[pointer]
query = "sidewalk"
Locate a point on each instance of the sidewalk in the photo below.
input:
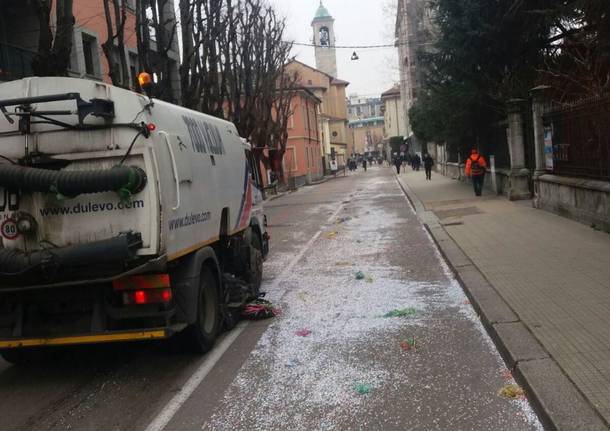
(542, 286)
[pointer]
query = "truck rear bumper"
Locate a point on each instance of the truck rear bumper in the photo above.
(107, 337)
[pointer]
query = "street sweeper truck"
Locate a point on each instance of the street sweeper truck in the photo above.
(122, 218)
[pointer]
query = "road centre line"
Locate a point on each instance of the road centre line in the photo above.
(171, 408)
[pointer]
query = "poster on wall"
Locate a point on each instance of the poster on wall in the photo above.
(548, 147)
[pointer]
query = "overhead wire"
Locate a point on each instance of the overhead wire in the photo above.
(394, 45)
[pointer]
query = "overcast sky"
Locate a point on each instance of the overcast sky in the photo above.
(357, 22)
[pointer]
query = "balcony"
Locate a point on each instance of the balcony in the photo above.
(15, 62)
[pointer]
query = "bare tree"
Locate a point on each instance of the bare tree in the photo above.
(156, 34)
(114, 46)
(53, 56)
(234, 66)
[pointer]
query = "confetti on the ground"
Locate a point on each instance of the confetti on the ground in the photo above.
(408, 344)
(360, 275)
(401, 312)
(292, 364)
(303, 332)
(466, 302)
(507, 375)
(512, 391)
(260, 309)
(302, 296)
(342, 264)
(362, 388)
(368, 279)
(332, 235)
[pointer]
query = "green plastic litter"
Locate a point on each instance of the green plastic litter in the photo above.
(362, 388)
(360, 275)
(401, 312)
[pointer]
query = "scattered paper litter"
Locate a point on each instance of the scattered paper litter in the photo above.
(408, 344)
(332, 235)
(512, 391)
(401, 312)
(507, 375)
(362, 388)
(303, 332)
(260, 309)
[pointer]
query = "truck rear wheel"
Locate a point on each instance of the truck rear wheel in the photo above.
(202, 334)
(17, 356)
(255, 268)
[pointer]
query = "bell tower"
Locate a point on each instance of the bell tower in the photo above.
(324, 41)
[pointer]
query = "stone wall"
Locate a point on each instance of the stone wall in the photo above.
(456, 171)
(583, 200)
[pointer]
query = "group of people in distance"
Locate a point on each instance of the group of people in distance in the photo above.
(475, 168)
(415, 161)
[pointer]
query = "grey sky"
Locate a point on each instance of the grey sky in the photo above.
(357, 22)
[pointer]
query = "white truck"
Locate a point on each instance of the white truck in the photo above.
(121, 218)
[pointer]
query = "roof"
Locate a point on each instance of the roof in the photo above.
(337, 81)
(395, 90)
(322, 13)
(333, 80)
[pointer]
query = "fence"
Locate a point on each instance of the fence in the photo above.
(581, 138)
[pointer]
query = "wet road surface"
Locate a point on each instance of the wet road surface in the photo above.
(337, 358)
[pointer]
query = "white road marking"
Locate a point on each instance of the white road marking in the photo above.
(171, 408)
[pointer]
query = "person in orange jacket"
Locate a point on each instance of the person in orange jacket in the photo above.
(475, 169)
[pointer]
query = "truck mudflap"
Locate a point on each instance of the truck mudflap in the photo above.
(107, 337)
(54, 263)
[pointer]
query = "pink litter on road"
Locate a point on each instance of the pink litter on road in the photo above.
(303, 332)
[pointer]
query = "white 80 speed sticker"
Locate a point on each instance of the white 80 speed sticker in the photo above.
(8, 229)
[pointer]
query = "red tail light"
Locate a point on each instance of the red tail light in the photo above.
(149, 296)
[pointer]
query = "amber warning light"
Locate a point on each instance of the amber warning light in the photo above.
(145, 80)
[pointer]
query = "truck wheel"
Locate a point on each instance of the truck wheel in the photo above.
(254, 273)
(16, 356)
(202, 333)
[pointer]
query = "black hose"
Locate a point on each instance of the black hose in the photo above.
(120, 249)
(119, 179)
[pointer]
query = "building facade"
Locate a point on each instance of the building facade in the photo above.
(19, 32)
(359, 108)
(393, 113)
(303, 158)
(415, 31)
(333, 109)
(366, 136)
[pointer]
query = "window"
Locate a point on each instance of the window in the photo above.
(89, 47)
(324, 36)
(133, 70)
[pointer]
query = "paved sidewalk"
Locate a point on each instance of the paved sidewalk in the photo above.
(553, 273)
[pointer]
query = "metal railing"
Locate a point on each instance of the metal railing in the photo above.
(15, 62)
(581, 138)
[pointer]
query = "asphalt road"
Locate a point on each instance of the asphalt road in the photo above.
(332, 361)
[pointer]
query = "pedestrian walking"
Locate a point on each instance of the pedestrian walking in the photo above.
(428, 163)
(364, 164)
(475, 169)
(398, 164)
(416, 162)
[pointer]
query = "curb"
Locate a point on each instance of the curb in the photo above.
(555, 398)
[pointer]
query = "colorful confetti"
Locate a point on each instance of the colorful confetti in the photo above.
(512, 391)
(401, 312)
(362, 388)
(303, 332)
